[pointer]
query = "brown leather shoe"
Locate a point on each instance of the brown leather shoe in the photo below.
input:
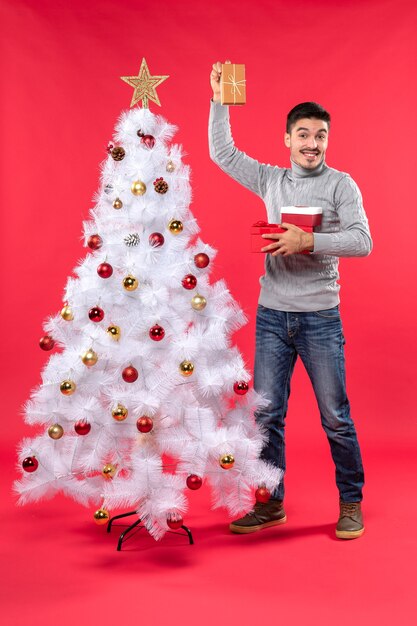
(350, 524)
(263, 515)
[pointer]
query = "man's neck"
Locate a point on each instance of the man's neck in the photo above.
(298, 171)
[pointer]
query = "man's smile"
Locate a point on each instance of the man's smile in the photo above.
(310, 153)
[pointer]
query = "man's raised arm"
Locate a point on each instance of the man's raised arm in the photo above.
(248, 172)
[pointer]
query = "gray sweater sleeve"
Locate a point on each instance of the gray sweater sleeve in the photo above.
(245, 170)
(353, 238)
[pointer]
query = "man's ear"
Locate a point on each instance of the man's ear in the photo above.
(287, 139)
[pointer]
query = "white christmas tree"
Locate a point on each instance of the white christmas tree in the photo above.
(147, 396)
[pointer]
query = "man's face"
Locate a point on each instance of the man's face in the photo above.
(307, 142)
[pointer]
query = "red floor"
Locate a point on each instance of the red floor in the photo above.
(63, 569)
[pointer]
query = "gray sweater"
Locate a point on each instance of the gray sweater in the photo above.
(298, 282)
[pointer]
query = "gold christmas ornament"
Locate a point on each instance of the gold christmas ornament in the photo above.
(144, 86)
(117, 204)
(120, 413)
(198, 302)
(130, 283)
(227, 461)
(109, 471)
(170, 166)
(176, 227)
(114, 332)
(138, 188)
(55, 431)
(89, 358)
(101, 516)
(186, 368)
(67, 387)
(66, 313)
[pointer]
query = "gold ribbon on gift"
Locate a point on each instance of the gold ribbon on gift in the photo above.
(235, 83)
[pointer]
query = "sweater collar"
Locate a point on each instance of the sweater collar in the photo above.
(298, 171)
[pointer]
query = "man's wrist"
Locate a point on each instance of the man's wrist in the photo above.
(307, 241)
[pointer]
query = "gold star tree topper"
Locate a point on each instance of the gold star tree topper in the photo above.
(144, 86)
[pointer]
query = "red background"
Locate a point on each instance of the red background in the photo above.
(61, 96)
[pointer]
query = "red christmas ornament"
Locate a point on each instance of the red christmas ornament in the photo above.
(148, 140)
(201, 260)
(96, 314)
(194, 482)
(240, 388)
(175, 522)
(157, 333)
(30, 464)
(46, 342)
(156, 240)
(94, 242)
(262, 494)
(82, 427)
(110, 147)
(130, 374)
(104, 270)
(189, 281)
(144, 424)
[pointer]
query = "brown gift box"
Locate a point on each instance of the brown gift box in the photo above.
(233, 84)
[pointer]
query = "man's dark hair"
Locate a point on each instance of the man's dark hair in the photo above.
(308, 110)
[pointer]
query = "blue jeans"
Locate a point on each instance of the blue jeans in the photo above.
(317, 337)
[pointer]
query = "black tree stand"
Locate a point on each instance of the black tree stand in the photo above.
(123, 536)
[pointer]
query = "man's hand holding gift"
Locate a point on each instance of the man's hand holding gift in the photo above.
(293, 241)
(228, 83)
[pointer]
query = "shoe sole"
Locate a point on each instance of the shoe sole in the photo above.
(346, 534)
(244, 530)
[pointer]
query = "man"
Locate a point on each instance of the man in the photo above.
(298, 311)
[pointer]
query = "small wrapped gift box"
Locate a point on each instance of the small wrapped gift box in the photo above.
(263, 228)
(233, 84)
(302, 215)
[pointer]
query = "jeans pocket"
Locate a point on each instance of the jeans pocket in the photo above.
(330, 314)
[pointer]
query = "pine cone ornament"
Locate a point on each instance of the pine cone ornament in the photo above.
(118, 153)
(132, 239)
(161, 186)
